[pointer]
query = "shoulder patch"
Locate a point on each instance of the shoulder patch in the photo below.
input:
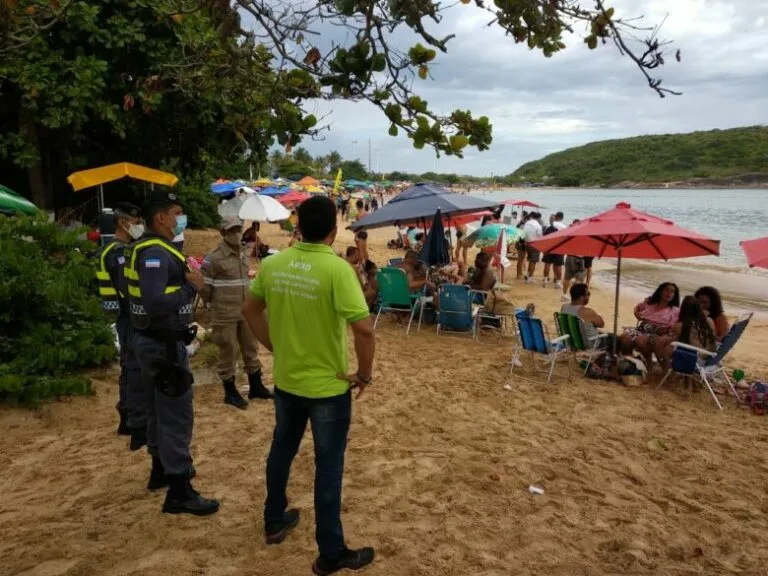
(152, 263)
(121, 260)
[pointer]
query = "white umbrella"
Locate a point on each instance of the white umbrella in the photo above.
(260, 208)
(231, 208)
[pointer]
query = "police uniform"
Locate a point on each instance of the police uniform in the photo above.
(225, 271)
(114, 301)
(161, 307)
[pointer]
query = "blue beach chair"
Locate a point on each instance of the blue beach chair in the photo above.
(707, 366)
(532, 337)
(454, 311)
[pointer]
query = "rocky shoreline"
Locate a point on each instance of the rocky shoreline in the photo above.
(754, 180)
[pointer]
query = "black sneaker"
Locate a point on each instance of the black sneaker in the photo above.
(349, 560)
(183, 499)
(276, 533)
(138, 438)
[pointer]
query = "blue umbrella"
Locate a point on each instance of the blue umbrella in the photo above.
(420, 202)
(436, 251)
(225, 188)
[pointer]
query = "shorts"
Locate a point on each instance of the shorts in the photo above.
(555, 259)
(574, 270)
(588, 262)
(532, 254)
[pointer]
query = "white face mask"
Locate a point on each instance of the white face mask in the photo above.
(135, 231)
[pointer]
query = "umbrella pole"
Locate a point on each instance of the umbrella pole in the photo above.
(616, 305)
(101, 199)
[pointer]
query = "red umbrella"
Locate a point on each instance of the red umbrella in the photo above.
(627, 233)
(292, 197)
(756, 251)
(523, 203)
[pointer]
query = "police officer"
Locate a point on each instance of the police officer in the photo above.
(226, 286)
(114, 296)
(162, 290)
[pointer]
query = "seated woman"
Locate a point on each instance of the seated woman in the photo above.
(371, 286)
(482, 277)
(712, 305)
(693, 327)
(417, 276)
(657, 317)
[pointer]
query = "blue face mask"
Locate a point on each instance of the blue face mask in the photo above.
(181, 224)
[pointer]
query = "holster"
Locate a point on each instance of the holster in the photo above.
(171, 377)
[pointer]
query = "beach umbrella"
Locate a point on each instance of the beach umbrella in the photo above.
(292, 197)
(419, 203)
(314, 189)
(225, 188)
(10, 202)
(308, 181)
(756, 251)
(488, 236)
(275, 191)
(262, 182)
(231, 208)
(436, 251)
(260, 208)
(627, 233)
(522, 203)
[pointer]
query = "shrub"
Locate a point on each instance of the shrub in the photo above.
(51, 322)
(199, 203)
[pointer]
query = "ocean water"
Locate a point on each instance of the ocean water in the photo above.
(726, 215)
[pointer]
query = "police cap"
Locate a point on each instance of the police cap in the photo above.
(163, 199)
(127, 210)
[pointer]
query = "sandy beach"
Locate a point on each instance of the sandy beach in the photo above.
(440, 458)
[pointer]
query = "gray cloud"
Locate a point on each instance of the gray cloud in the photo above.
(539, 105)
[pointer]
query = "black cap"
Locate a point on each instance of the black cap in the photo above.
(163, 199)
(128, 210)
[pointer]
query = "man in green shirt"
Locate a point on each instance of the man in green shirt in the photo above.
(312, 295)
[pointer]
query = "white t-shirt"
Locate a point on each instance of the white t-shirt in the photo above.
(559, 225)
(532, 231)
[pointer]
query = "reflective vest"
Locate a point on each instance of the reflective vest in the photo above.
(139, 316)
(110, 295)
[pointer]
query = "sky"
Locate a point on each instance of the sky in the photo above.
(538, 106)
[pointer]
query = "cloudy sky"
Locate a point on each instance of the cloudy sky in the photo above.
(539, 105)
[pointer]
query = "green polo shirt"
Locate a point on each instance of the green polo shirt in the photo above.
(311, 296)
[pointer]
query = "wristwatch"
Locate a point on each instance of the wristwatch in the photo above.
(365, 381)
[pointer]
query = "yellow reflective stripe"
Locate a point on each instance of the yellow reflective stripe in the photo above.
(130, 270)
(103, 276)
(107, 291)
(131, 274)
(135, 291)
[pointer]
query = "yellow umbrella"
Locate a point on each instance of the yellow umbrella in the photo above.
(314, 189)
(262, 182)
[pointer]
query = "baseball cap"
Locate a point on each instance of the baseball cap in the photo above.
(163, 198)
(230, 222)
(127, 210)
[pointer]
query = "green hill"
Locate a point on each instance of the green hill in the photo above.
(661, 158)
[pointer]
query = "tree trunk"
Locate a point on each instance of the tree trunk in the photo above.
(39, 190)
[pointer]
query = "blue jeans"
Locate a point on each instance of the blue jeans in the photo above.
(329, 418)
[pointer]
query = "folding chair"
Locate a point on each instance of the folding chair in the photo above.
(691, 361)
(533, 338)
(454, 310)
(479, 298)
(394, 296)
(394, 262)
(573, 326)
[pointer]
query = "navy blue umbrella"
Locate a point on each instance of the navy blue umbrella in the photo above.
(436, 251)
(421, 202)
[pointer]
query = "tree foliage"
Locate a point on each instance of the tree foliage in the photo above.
(661, 158)
(51, 322)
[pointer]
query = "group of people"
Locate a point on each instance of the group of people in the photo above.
(310, 295)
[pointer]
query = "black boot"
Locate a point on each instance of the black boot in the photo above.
(183, 499)
(349, 560)
(138, 438)
(256, 388)
(276, 533)
(157, 477)
(232, 396)
(122, 428)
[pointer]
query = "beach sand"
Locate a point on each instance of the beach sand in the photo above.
(440, 458)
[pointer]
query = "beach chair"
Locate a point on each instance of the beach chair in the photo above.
(707, 366)
(485, 318)
(394, 262)
(394, 296)
(532, 337)
(454, 311)
(573, 326)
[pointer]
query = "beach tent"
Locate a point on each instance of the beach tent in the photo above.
(275, 191)
(226, 188)
(262, 182)
(103, 175)
(10, 202)
(419, 203)
(756, 252)
(308, 181)
(627, 233)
